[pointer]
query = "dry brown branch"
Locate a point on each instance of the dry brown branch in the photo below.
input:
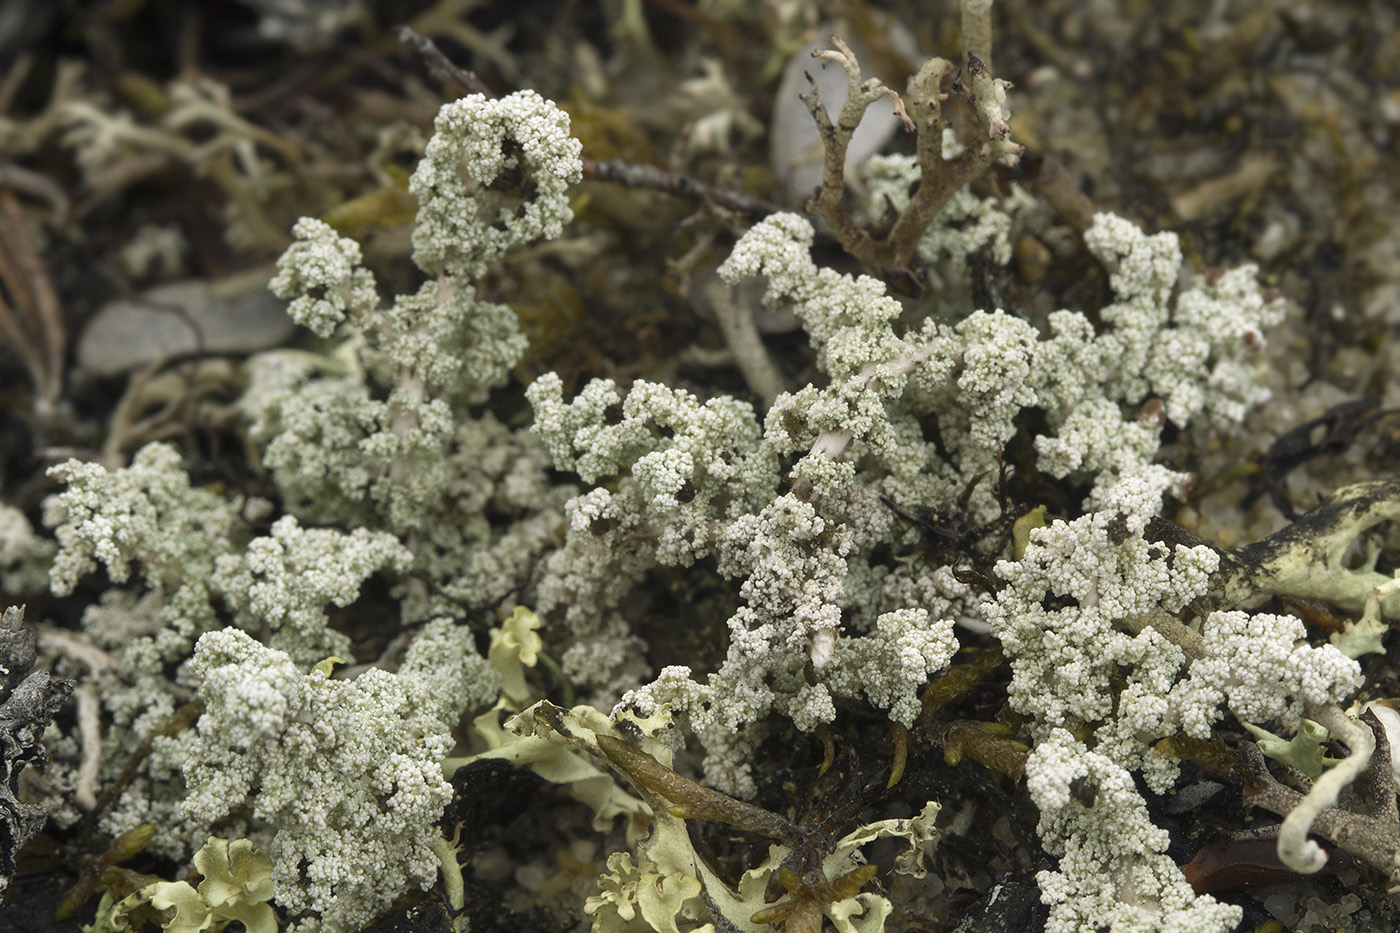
(1050, 180)
(635, 175)
(441, 67)
(30, 321)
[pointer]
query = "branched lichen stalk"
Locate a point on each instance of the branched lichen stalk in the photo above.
(1295, 849)
(986, 141)
(977, 28)
(836, 138)
(940, 177)
(1371, 832)
(1308, 558)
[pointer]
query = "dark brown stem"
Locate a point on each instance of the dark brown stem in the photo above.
(457, 79)
(1052, 182)
(636, 175)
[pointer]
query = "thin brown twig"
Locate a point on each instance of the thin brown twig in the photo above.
(29, 319)
(617, 171)
(441, 67)
(636, 175)
(1050, 180)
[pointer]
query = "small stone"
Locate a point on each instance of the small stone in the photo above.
(181, 318)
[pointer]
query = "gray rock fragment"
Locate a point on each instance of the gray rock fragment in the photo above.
(181, 319)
